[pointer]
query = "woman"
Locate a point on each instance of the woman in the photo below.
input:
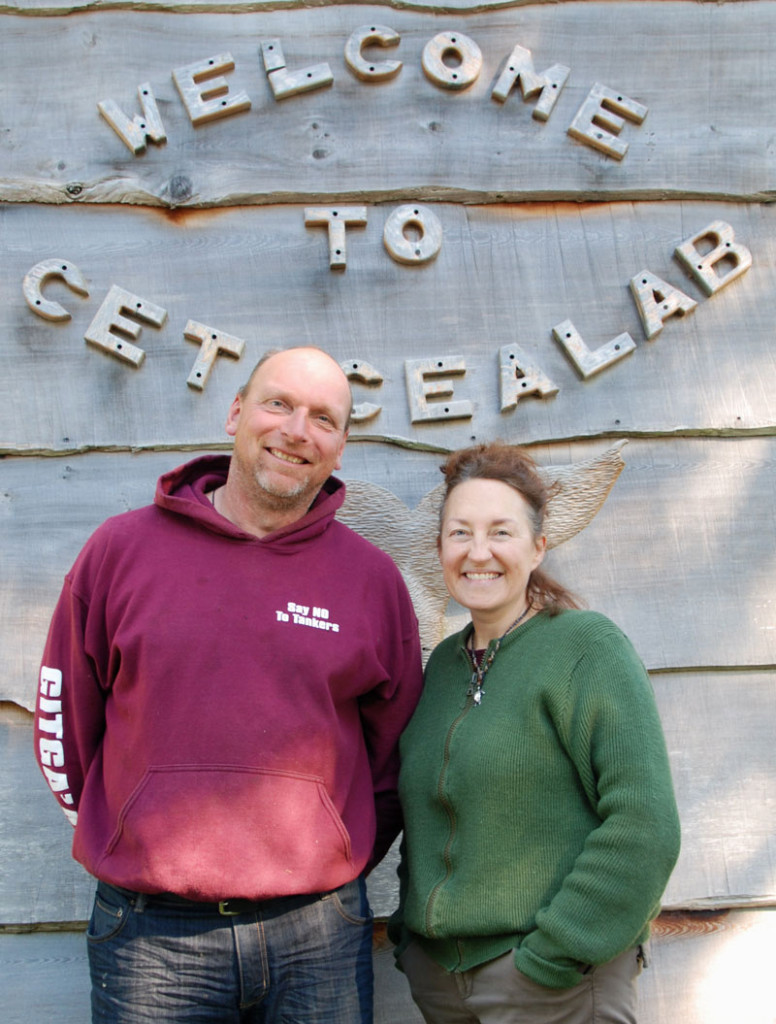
(540, 821)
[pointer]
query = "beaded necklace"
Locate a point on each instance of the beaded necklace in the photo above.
(480, 669)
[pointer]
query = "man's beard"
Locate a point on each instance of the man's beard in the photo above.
(279, 498)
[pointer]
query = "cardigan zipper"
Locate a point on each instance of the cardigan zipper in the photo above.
(450, 815)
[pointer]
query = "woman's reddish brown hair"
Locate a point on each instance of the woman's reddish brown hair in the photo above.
(513, 466)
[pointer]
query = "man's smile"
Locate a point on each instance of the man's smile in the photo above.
(296, 460)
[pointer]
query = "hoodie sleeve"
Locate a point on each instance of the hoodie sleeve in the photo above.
(70, 705)
(384, 715)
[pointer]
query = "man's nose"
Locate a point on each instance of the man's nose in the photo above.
(295, 425)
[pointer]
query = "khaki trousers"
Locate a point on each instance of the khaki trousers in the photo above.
(497, 993)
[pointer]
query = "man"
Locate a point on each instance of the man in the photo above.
(223, 686)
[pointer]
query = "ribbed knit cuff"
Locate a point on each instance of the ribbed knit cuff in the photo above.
(544, 962)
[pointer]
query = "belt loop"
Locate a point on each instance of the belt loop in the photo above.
(140, 902)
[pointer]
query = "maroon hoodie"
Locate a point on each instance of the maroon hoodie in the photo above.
(218, 714)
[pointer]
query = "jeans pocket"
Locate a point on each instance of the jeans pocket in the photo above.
(351, 902)
(109, 915)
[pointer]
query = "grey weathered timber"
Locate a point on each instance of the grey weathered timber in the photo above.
(532, 292)
(704, 969)
(504, 278)
(719, 733)
(682, 555)
(409, 535)
(703, 72)
(727, 857)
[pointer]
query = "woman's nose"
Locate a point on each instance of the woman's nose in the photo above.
(479, 549)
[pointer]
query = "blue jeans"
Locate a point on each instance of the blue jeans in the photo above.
(291, 960)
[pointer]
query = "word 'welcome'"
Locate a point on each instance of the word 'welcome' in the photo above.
(450, 60)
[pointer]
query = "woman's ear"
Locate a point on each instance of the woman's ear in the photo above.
(541, 551)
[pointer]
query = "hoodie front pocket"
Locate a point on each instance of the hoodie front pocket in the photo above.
(211, 832)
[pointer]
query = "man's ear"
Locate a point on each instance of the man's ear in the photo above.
(338, 463)
(233, 416)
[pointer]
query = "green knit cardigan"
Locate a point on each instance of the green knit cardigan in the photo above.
(544, 819)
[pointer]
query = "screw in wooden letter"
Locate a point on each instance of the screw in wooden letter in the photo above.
(419, 389)
(134, 133)
(601, 111)
(285, 83)
(657, 300)
(211, 345)
(400, 247)
(463, 49)
(35, 279)
(590, 362)
(364, 373)
(372, 70)
(519, 378)
(336, 219)
(547, 84)
(202, 89)
(109, 319)
(724, 250)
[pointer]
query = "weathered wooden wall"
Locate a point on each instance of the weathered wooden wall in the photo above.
(537, 229)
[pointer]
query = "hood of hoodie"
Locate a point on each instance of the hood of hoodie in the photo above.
(184, 491)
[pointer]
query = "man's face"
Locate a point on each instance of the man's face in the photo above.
(289, 427)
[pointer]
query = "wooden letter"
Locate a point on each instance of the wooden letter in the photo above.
(703, 267)
(587, 362)
(134, 133)
(548, 84)
(205, 101)
(35, 279)
(464, 52)
(519, 378)
(372, 70)
(336, 219)
(286, 83)
(109, 319)
(419, 390)
(365, 373)
(657, 300)
(599, 112)
(212, 344)
(399, 246)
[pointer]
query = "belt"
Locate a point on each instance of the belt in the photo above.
(225, 908)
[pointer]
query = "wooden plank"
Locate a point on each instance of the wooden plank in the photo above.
(684, 543)
(41, 886)
(705, 133)
(705, 969)
(719, 732)
(39, 880)
(504, 278)
(726, 790)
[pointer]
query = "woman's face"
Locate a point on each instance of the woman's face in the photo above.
(488, 550)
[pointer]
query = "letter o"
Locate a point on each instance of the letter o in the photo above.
(400, 247)
(464, 48)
